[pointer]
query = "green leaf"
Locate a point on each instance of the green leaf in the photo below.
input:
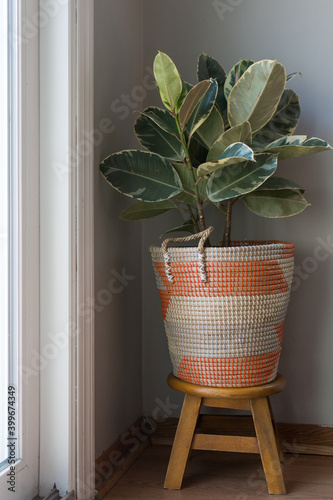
(163, 118)
(168, 81)
(141, 175)
(235, 153)
(211, 129)
(207, 68)
(186, 178)
(257, 93)
(188, 194)
(239, 133)
(197, 152)
(230, 182)
(234, 75)
(192, 100)
(276, 183)
(185, 228)
(297, 145)
(292, 75)
(275, 204)
(284, 121)
(202, 188)
(202, 109)
(186, 87)
(145, 209)
(295, 140)
(156, 139)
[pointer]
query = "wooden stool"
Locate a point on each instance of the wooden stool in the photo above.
(255, 399)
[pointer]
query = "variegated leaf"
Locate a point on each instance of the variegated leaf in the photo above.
(154, 138)
(163, 118)
(239, 133)
(257, 93)
(275, 204)
(234, 75)
(292, 75)
(169, 82)
(192, 100)
(235, 153)
(186, 87)
(230, 182)
(202, 109)
(276, 183)
(141, 175)
(297, 145)
(211, 129)
(188, 182)
(146, 210)
(207, 68)
(284, 121)
(188, 227)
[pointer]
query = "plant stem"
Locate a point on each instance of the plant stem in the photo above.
(190, 166)
(195, 224)
(227, 227)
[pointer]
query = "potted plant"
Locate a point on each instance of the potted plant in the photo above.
(218, 143)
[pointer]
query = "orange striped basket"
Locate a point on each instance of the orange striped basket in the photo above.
(224, 309)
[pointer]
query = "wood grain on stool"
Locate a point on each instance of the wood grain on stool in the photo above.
(182, 443)
(265, 443)
(267, 446)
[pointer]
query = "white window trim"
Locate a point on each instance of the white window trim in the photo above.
(26, 469)
(78, 453)
(85, 479)
(29, 258)
(76, 471)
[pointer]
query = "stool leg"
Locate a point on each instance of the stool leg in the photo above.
(267, 446)
(182, 442)
(276, 434)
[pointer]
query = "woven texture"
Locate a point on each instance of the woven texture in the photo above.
(226, 332)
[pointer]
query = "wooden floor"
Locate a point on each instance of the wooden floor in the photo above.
(224, 476)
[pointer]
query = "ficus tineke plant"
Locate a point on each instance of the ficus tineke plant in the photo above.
(215, 143)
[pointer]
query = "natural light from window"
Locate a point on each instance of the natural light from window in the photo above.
(4, 233)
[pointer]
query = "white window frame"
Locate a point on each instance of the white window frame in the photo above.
(27, 62)
(4, 236)
(85, 432)
(72, 467)
(75, 461)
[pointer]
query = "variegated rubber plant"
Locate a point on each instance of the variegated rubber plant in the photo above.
(217, 142)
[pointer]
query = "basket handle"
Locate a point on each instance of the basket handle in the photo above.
(203, 235)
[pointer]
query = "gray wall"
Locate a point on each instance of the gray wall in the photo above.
(300, 36)
(118, 70)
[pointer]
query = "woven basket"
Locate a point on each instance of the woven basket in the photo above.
(224, 309)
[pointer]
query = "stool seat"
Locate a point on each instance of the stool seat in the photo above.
(258, 391)
(255, 399)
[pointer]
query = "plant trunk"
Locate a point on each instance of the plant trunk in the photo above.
(187, 161)
(194, 221)
(201, 216)
(227, 227)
